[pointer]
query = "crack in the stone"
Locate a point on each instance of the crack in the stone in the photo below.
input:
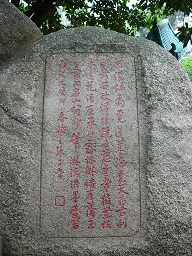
(5, 109)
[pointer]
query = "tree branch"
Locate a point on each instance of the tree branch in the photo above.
(33, 8)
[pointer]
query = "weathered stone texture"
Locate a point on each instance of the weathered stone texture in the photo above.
(16, 30)
(164, 94)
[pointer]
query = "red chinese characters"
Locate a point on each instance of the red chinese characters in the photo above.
(75, 96)
(75, 140)
(59, 200)
(105, 137)
(61, 119)
(90, 147)
(74, 160)
(120, 140)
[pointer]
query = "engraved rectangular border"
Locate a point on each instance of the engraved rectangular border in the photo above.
(137, 69)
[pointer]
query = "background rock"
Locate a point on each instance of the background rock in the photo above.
(164, 95)
(16, 29)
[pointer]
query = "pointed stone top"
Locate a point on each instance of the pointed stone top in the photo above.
(16, 30)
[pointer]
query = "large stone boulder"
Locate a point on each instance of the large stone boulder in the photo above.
(95, 151)
(16, 29)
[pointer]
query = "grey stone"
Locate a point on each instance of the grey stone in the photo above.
(89, 129)
(0, 246)
(16, 30)
(155, 101)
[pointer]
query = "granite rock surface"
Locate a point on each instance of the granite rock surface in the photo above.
(16, 30)
(164, 123)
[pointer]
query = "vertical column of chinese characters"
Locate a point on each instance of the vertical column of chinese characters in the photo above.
(120, 161)
(75, 137)
(90, 146)
(59, 200)
(105, 154)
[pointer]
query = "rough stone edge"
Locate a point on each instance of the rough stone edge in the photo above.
(21, 31)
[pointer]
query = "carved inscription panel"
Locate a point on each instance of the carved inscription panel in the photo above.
(90, 147)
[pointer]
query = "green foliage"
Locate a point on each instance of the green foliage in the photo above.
(52, 22)
(184, 34)
(110, 14)
(187, 64)
(168, 6)
(26, 5)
